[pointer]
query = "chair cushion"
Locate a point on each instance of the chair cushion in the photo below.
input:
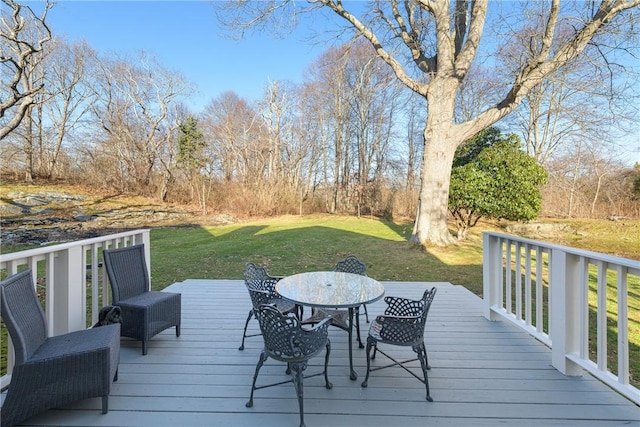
(146, 299)
(83, 341)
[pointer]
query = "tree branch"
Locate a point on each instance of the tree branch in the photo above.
(542, 65)
(377, 45)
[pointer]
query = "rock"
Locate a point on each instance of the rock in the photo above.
(537, 229)
(65, 219)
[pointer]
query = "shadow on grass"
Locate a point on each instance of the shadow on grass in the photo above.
(196, 252)
(221, 252)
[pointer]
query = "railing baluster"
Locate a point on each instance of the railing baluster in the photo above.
(623, 325)
(518, 281)
(602, 316)
(527, 284)
(539, 291)
(567, 274)
(50, 297)
(508, 273)
(584, 308)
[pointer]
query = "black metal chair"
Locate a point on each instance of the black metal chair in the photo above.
(145, 313)
(402, 324)
(286, 341)
(351, 264)
(257, 278)
(52, 371)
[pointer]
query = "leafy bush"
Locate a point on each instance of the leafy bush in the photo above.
(493, 178)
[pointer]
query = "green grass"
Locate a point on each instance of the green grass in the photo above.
(291, 244)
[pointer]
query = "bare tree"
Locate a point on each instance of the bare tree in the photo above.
(440, 41)
(583, 99)
(67, 100)
(23, 35)
(373, 97)
(328, 74)
(231, 129)
(137, 106)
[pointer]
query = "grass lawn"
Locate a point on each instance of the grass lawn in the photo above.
(292, 244)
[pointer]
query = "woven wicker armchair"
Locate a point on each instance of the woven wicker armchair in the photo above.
(52, 371)
(402, 324)
(145, 313)
(286, 341)
(257, 278)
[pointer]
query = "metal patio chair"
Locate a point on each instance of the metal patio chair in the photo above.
(257, 278)
(351, 264)
(52, 371)
(145, 313)
(402, 324)
(286, 341)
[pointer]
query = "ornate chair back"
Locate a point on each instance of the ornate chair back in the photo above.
(351, 264)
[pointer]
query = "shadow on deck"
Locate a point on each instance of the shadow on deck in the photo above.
(483, 374)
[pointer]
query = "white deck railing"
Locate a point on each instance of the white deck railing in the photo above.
(572, 300)
(551, 291)
(71, 280)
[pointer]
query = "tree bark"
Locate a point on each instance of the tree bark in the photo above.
(441, 138)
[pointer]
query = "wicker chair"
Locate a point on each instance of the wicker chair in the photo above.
(145, 313)
(52, 371)
(286, 341)
(257, 278)
(402, 324)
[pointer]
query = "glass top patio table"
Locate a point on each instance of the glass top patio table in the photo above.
(332, 289)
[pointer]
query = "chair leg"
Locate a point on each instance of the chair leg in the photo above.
(244, 334)
(327, 383)
(144, 347)
(422, 356)
(358, 328)
(366, 312)
(263, 358)
(105, 404)
(298, 379)
(177, 330)
(115, 377)
(370, 344)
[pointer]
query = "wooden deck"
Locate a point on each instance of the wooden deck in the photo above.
(483, 374)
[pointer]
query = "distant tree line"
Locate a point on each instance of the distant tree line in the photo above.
(348, 139)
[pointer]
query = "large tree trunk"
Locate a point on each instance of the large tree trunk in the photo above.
(441, 138)
(431, 224)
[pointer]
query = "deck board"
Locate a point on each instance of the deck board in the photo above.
(483, 374)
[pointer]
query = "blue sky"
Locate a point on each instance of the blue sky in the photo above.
(185, 36)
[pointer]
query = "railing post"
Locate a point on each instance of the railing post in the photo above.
(145, 239)
(565, 325)
(70, 311)
(491, 266)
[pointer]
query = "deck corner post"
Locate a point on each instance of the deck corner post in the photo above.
(491, 284)
(564, 311)
(68, 294)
